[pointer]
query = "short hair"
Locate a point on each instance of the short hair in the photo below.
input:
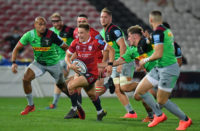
(83, 15)
(56, 15)
(156, 15)
(40, 18)
(166, 25)
(84, 26)
(109, 12)
(135, 30)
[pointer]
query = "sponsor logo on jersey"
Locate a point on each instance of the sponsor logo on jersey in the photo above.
(90, 47)
(142, 56)
(77, 47)
(170, 34)
(101, 42)
(110, 43)
(41, 48)
(117, 33)
(156, 38)
(98, 37)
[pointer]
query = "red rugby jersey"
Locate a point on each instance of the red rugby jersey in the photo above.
(94, 34)
(87, 52)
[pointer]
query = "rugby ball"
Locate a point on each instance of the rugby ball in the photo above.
(81, 64)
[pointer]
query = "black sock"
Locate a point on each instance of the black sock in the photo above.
(97, 104)
(74, 99)
(63, 88)
(131, 112)
(186, 118)
(80, 98)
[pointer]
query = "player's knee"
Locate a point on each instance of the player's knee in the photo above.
(61, 86)
(137, 97)
(92, 97)
(124, 88)
(26, 79)
(162, 101)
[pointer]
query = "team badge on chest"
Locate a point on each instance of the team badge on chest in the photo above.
(90, 47)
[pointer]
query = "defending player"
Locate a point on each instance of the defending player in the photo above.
(66, 33)
(43, 42)
(122, 75)
(164, 74)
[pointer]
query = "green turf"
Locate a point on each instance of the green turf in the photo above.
(52, 120)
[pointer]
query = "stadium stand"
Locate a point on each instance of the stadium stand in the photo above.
(21, 13)
(182, 15)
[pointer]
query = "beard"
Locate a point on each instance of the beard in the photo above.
(105, 25)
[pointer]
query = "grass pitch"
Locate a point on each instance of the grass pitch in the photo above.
(53, 120)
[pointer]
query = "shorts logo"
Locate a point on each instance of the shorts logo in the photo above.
(117, 33)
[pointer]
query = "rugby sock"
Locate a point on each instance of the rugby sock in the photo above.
(150, 101)
(55, 98)
(97, 104)
(80, 98)
(150, 114)
(129, 108)
(74, 98)
(174, 109)
(29, 98)
(99, 112)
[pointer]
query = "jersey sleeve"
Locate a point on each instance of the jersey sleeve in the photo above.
(130, 54)
(72, 47)
(158, 37)
(116, 34)
(57, 39)
(178, 52)
(25, 38)
(101, 44)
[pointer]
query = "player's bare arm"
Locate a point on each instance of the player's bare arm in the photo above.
(117, 62)
(14, 56)
(122, 46)
(111, 57)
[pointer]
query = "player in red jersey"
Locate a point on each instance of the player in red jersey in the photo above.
(86, 48)
(100, 88)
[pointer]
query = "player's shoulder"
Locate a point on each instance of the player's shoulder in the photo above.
(112, 28)
(29, 33)
(52, 28)
(98, 41)
(93, 30)
(75, 40)
(68, 28)
(160, 29)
